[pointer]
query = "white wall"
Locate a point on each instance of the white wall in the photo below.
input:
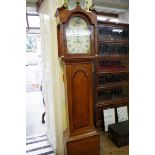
(124, 17)
(47, 71)
(53, 85)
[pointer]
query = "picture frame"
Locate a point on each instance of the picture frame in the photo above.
(108, 117)
(122, 113)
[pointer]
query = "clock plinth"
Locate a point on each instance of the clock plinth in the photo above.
(85, 144)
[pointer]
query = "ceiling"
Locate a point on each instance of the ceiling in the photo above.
(31, 3)
(121, 4)
(110, 6)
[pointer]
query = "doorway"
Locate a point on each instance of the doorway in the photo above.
(36, 125)
(34, 76)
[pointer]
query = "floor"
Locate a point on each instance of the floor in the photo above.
(109, 148)
(34, 110)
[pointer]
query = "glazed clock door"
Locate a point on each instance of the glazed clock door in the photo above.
(80, 97)
(78, 36)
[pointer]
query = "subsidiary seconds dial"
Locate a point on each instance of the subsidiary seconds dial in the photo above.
(78, 36)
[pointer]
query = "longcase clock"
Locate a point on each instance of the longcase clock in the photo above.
(76, 32)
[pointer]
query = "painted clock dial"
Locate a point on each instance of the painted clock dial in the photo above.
(78, 36)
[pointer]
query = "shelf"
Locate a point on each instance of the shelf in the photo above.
(115, 24)
(113, 102)
(116, 70)
(110, 56)
(112, 72)
(113, 41)
(111, 85)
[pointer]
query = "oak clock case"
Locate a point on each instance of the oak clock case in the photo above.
(77, 36)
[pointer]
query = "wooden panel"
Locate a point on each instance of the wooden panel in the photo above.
(80, 97)
(86, 146)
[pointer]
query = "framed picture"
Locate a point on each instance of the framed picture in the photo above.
(109, 117)
(122, 113)
(31, 43)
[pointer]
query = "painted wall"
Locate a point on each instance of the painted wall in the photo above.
(124, 17)
(52, 80)
(53, 84)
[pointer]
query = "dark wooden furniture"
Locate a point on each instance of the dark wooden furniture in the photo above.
(112, 69)
(77, 37)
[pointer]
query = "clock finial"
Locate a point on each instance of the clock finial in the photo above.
(92, 7)
(65, 5)
(78, 2)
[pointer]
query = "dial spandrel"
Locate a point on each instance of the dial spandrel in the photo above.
(78, 36)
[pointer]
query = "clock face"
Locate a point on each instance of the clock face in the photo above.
(78, 36)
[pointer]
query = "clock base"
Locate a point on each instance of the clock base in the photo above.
(85, 144)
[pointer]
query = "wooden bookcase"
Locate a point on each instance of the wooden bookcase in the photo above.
(111, 68)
